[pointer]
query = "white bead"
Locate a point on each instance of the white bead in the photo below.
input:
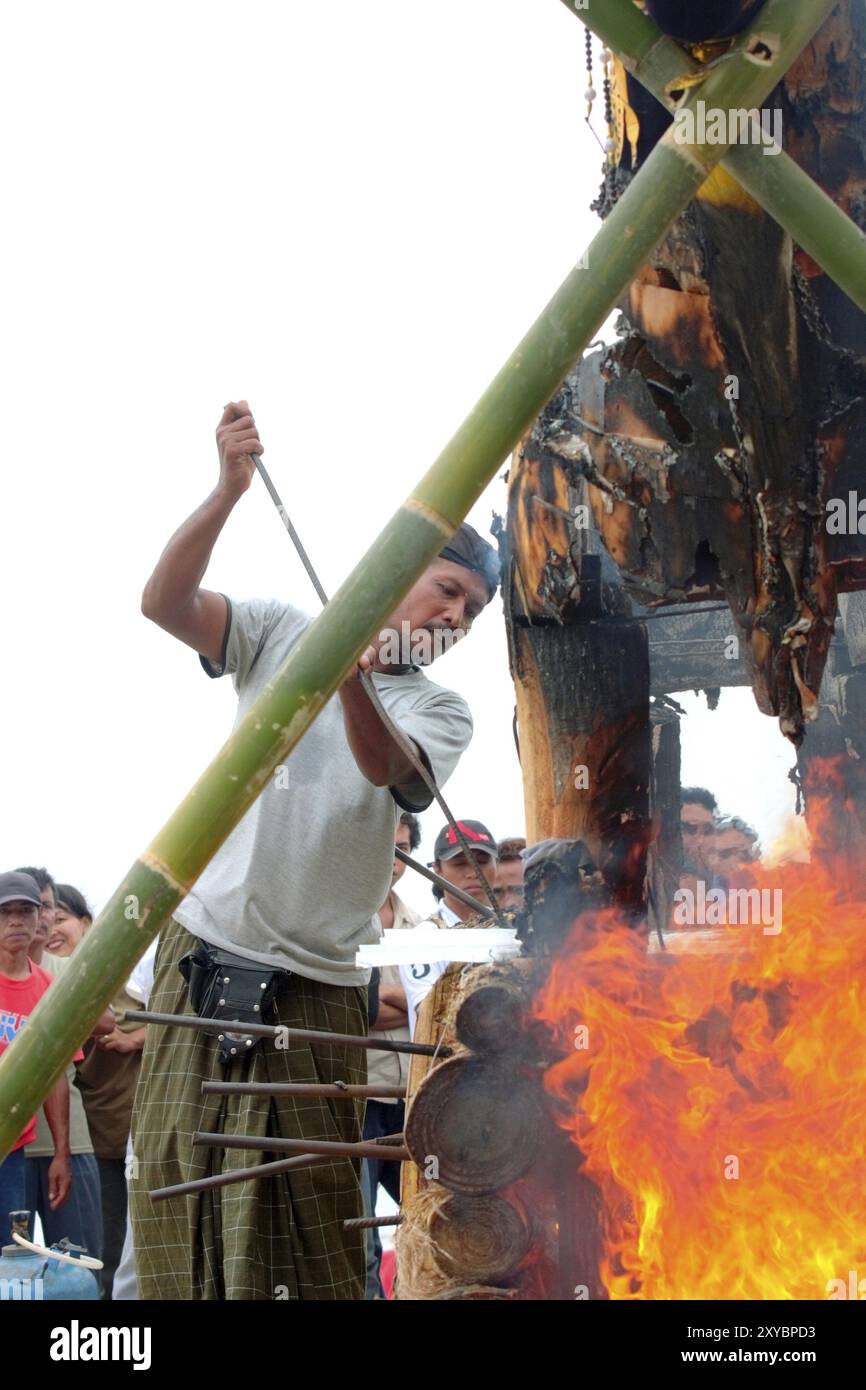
(606, 55)
(590, 94)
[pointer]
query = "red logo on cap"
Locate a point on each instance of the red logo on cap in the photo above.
(468, 832)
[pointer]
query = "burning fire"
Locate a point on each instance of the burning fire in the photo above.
(718, 1096)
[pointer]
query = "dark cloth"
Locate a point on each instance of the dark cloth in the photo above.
(13, 1192)
(372, 1239)
(381, 1119)
(373, 995)
(467, 548)
(80, 1217)
(112, 1182)
(279, 1237)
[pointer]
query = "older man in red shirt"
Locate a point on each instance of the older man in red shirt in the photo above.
(22, 985)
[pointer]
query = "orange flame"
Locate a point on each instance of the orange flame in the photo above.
(717, 1095)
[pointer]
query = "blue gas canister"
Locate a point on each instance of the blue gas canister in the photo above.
(26, 1275)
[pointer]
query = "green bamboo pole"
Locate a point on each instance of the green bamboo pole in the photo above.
(784, 190)
(317, 665)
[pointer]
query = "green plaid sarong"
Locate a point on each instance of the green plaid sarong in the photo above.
(279, 1237)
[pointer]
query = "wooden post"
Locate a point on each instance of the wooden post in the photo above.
(582, 684)
(582, 691)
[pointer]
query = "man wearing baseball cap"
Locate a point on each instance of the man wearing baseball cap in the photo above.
(22, 985)
(453, 864)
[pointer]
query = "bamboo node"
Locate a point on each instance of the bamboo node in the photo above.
(160, 868)
(414, 504)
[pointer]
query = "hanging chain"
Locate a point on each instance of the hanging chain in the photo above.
(610, 139)
(609, 145)
(590, 93)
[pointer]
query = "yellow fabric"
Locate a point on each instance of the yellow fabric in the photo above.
(626, 123)
(721, 189)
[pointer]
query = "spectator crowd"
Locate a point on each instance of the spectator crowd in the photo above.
(68, 1167)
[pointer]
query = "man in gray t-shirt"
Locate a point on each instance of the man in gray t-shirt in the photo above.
(299, 879)
(294, 889)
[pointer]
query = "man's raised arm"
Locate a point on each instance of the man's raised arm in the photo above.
(172, 596)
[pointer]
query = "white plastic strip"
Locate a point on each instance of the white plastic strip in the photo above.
(428, 945)
(80, 1262)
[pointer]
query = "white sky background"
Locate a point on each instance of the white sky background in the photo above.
(349, 214)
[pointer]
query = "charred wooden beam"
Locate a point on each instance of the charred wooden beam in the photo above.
(832, 759)
(694, 650)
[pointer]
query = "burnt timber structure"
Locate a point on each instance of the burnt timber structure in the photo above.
(667, 511)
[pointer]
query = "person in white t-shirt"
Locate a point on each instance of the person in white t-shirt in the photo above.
(451, 862)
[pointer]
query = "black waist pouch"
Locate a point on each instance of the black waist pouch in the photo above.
(225, 986)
